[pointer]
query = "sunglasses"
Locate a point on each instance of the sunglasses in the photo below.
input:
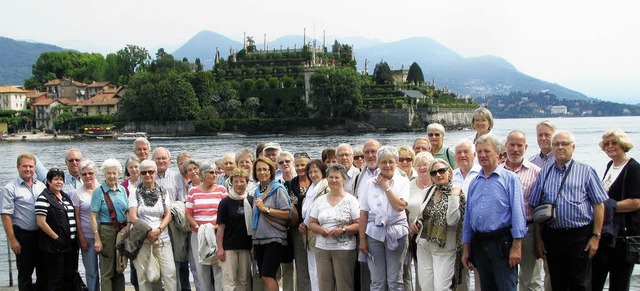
(88, 174)
(284, 161)
(433, 134)
(150, 172)
(56, 171)
(406, 160)
(440, 171)
(74, 160)
(300, 155)
(358, 157)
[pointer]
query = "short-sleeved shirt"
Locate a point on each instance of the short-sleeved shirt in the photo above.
(71, 183)
(152, 214)
(119, 199)
(173, 183)
(446, 154)
(81, 198)
(344, 213)
(382, 218)
(42, 208)
(203, 206)
(266, 233)
(18, 200)
(231, 214)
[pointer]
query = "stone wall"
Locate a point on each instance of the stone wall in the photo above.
(405, 119)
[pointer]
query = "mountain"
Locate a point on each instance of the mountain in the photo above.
(17, 57)
(475, 76)
(203, 45)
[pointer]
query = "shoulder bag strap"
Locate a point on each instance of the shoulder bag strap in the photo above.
(112, 210)
(624, 216)
(566, 174)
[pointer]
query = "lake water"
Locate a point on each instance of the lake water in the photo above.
(587, 133)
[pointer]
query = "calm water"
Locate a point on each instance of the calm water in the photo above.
(587, 132)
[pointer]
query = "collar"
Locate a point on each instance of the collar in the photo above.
(564, 167)
(498, 171)
(525, 164)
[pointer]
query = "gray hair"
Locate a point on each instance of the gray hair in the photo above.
(423, 156)
(621, 138)
(148, 164)
(156, 150)
(547, 123)
(464, 142)
(345, 145)
(72, 150)
(482, 112)
(141, 140)
(339, 168)
(88, 164)
(498, 145)
(188, 162)
(572, 138)
(386, 151)
(183, 154)
(437, 127)
(244, 153)
(111, 164)
(126, 164)
(206, 167)
(284, 154)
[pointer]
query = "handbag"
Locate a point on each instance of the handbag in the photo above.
(545, 213)
(631, 242)
(152, 272)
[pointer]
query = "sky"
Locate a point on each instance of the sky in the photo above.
(589, 46)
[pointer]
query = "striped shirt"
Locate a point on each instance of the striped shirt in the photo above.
(541, 160)
(42, 208)
(581, 190)
(203, 206)
(493, 203)
(463, 182)
(528, 173)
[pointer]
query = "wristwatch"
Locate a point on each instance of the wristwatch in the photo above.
(596, 235)
(388, 189)
(344, 230)
(268, 210)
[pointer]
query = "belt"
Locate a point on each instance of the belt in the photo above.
(111, 223)
(529, 222)
(492, 234)
(570, 230)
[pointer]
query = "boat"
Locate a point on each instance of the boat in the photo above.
(131, 135)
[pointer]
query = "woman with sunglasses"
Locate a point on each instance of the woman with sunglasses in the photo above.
(435, 134)
(358, 157)
(57, 239)
(81, 199)
(152, 205)
(104, 228)
(383, 222)
(621, 180)
(440, 231)
(202, 208)
(285, 164)
(405, 161)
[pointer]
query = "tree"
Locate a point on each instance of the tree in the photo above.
(336, 92)
(415, 75)
(199, 66)
(382, 74)
(79, 66)
(252, 104)
(204, 85)
(130, 60)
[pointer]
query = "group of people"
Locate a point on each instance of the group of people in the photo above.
(363, 218)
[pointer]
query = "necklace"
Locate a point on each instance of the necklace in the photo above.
(618, 167)
(262, 189)
(420, 184)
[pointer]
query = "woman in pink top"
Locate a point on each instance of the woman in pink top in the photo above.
(202, 208)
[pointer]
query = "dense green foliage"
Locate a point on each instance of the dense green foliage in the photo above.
(415, 75)
(336, 92)
(382, 74)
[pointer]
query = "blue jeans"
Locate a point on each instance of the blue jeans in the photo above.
(90, 262)
(490, 256)
(386, 270)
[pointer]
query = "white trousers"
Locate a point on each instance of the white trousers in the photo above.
(164, 255)
(435, 266)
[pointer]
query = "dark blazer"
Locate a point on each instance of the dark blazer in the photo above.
(293, 188)
(58, 221)
(632, 190)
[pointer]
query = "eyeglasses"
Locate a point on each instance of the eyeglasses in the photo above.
(440, 171)
(561, 144)
(88, 174)
(150, 172)
(405, 160)
(300, 155)
(74, 160)
(610, 143)
(358, 157)
(284, 161)
(431, 134)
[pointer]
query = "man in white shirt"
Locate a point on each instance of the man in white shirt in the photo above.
(344, 152)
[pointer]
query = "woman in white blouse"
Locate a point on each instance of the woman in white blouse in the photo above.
(383, 222)
(334, 218)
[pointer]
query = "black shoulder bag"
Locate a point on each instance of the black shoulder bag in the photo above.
(632, 243)
(545, 213)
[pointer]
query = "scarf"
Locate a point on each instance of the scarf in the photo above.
(248, 210)
(259, 194)
(149, 196)
(436, 232)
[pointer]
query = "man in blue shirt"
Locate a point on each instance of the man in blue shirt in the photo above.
(494, 221)
(572, 239)
(72, 178)
(17, 205)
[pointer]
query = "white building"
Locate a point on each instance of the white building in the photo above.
(12, 98)
(559, 109)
